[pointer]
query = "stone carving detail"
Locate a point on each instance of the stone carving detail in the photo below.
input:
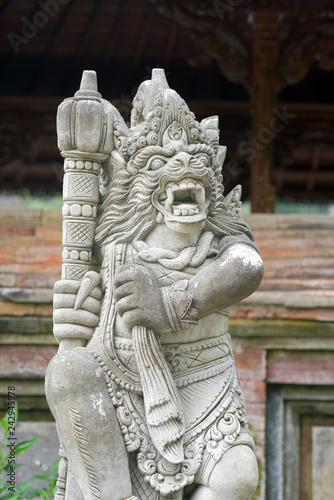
(80, 433)
(144, 388)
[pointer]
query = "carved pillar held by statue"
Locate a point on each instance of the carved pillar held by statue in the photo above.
(84, 127)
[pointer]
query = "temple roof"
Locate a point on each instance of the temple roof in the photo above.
(206, 50)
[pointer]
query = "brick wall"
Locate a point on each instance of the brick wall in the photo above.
(283, 334)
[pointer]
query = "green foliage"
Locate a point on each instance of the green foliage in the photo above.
(8, 463)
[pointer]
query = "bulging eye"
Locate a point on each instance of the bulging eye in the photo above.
(155, 163)
(203, 158)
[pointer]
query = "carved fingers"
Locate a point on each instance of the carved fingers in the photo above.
(71, 320)
(139, 299)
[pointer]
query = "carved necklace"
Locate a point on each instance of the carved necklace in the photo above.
(192, 256)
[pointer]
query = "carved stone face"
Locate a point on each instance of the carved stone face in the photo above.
(184, 191)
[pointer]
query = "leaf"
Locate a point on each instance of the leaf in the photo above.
(39, 476)
(32, 494)
(26, 486)
(4, 488)
(24, 445)
(54, 467)
(4, 423)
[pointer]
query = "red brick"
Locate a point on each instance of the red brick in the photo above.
(7, 253)
(256, 415)
(25, 361)
(28, 268)
(251, 364)
(52, 235)
(301, 368)
(254, 391)
(17, 230)
(21, 241)
(304, 253)
(39, 255)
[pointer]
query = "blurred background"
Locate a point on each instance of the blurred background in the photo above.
(266, 67)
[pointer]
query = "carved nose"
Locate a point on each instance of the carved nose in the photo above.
(184, 159)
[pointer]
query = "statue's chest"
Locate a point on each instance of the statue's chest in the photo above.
(167, 270)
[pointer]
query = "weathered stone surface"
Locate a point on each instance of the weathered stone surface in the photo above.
(322, 462)
(152, 373)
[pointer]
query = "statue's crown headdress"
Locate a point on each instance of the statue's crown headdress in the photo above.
(160, 117)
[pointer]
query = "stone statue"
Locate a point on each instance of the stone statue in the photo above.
(144, 387)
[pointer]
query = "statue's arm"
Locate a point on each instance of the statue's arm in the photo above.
(233, 276)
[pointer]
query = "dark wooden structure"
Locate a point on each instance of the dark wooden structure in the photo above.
(265, 66)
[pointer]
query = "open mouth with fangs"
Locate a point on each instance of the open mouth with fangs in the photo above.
(183, 200)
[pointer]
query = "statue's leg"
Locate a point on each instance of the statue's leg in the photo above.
(234, 477)
(87, 425)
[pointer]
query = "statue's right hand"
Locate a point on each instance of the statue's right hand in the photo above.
(73, 320)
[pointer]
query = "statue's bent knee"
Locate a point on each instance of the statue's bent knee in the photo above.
(236, 474)
(70, 373)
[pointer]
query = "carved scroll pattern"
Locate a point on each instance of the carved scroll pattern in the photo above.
(216, 433)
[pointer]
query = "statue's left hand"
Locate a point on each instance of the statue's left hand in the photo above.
(139, 299)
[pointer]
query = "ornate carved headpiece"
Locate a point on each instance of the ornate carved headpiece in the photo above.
(160, 117)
